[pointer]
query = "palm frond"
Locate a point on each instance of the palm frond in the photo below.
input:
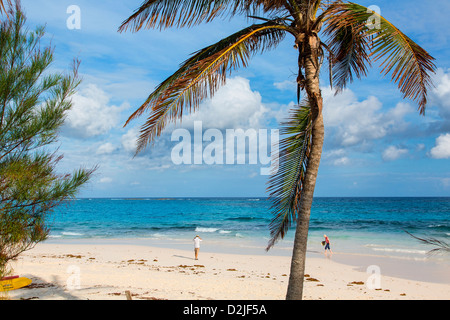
(285, 186)
(186, 13)
(349, 53)
(167, 13)
(410, 65)
(266, 6)
(439, 245)
(201, 75)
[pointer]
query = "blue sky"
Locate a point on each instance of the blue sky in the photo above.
(376, 143)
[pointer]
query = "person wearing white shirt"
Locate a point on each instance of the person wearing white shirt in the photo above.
(197, 240)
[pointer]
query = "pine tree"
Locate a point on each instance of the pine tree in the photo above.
(33, 105)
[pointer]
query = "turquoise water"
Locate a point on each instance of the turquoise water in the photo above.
(361, 225)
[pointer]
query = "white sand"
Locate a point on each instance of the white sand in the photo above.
(106, 271)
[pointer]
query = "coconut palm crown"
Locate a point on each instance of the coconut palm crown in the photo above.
(348, 36)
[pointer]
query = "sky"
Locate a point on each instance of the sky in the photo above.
(376, 143)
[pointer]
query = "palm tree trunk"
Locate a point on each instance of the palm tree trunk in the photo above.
(295, 287)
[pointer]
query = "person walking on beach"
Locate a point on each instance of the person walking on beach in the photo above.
(197, 240)
(327, 244)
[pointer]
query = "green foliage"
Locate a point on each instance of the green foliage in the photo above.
(202, 74)
(355, 42)
(351, 44)
(186, 13)
(285, 186)
(33, 105)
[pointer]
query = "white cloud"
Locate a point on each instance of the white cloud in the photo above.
(337, 157)
(442, 148)
(420, 147)
(399, 112)
(441, 91)
(154, 156)
(105, 180)
(129, 140)
(253, 175)
(351, 122)
(394, 153)
(234, 105)
(281, 112)
(343, 161)
(439, 102)
(106, 148)
(91, 115)
(335, 153)
(286, 85)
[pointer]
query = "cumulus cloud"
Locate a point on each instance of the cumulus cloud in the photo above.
(91, 114)
(343, 161)
(129, 140)
(399, 112)
(154, 156)
(439, 98)
(286, 85)
(337, 157)
(106, 148)
(234, 105)
(440, 94)
(393, 153)
(352, 122)
(442, 148)
(105, 180)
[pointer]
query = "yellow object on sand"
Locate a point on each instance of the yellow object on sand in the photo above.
(13, 284)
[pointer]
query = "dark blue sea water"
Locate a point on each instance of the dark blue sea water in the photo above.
(363, 225)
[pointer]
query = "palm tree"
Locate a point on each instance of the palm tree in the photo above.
(350, 43)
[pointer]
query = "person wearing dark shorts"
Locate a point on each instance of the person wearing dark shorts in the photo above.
(327, 244)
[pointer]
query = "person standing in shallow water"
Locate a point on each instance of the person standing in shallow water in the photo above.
(197, 241)
(327, 244)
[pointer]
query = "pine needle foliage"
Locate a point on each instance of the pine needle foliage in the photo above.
(33, 106)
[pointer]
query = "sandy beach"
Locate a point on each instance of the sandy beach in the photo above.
(106, 271)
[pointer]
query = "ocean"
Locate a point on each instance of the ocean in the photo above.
(371, 226)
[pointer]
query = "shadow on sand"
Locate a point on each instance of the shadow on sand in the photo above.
(178, 256)
(41, 289)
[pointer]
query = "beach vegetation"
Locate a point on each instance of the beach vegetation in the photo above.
(343, 36)
(33, 104)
